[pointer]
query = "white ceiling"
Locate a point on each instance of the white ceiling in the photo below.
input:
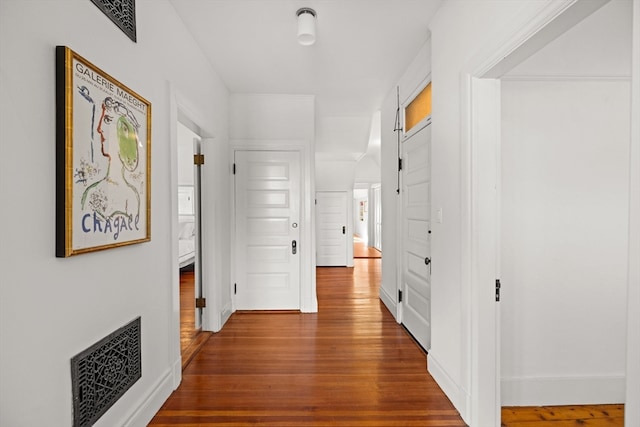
(362, 49)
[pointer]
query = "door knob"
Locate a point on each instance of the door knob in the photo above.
(427, 261)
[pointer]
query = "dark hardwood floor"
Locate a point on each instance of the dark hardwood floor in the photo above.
(191, 338)
(350, 364)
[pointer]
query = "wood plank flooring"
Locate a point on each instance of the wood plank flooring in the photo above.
(350, 364)
(361, 250)
(191, 339)
(564, 416)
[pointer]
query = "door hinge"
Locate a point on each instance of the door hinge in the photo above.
(235, 288)
(201, 302)
(498, 286)
(399, 295)
(198, 159)
(399, 164)
(234, 168)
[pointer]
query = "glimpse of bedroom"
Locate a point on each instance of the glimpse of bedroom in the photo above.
(188, 207)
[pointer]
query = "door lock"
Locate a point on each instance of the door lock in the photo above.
(427, 261)
(344, 230)
(294, 247)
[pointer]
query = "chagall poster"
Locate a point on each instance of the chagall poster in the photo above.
(103, 159)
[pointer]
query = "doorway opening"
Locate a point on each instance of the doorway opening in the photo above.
(547, 213)
(189, 238)
(363, 224)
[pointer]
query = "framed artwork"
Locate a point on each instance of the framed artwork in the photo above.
(186, 204)
(103, 159)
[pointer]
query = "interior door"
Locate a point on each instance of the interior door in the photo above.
(267, 198)
(331, 228)
(416, 236)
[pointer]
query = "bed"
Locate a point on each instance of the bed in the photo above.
(186, 241)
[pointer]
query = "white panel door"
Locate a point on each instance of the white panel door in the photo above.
(267, 197)
(416, 237)
(331, 228)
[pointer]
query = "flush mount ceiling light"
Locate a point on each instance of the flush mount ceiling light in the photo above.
(306, 26)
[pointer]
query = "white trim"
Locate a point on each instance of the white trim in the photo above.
(409, 99)
(458, 397)
(566, 78)
(389, 302)
(149, 406)
(632, 404)
(478, 160)
(537, 391)
(308, 294)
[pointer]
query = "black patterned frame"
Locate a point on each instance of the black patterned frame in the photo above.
(122, 13)
(101, 374)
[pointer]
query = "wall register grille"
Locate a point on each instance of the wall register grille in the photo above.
(122, 13)
(101, 374)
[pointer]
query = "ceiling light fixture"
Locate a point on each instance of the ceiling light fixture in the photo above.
(306, 26)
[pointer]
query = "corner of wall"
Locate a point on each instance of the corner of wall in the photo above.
(460, 399)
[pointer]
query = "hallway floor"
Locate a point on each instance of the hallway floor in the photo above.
(350, 364)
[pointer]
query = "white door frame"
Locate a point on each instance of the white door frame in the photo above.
(308, 295)
(348, 232)
(480, 204)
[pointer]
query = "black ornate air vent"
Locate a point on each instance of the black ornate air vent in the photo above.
(122, 13)
(101, 374)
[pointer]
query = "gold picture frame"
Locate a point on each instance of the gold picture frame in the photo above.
(103, 159)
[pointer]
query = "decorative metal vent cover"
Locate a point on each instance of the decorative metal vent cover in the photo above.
(101, 374)
(122, 13)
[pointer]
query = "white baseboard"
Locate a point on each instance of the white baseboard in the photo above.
(538, 391)
(458, 397)
(149, 407)
(225, 315)
(389, 302)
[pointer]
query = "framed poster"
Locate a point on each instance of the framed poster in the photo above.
(103, 159)
(186, 204)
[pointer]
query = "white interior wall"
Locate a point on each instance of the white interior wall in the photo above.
(334, 174)
(361, 223)
(565, 174)
(51, 308)
(414, 75)
(565, 150)
(283, 122)
(461, 31)
(632, 403)
(185, 155)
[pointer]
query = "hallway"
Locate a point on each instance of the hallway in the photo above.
(350, 364)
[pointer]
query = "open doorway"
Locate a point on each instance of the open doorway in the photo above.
(189, 242)
(548, 221)
(365, 206)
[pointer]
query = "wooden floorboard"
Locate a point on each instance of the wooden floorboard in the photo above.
(564, 416)
(350, 364)
(361, 250)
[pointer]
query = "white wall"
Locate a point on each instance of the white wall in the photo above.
(334, 174)
(632, 406)
(50, 308)
(414, 76)
(460, 31)
(565, 187)
(565, 183)
(185, 155)
(283, 122)
(361, 224)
